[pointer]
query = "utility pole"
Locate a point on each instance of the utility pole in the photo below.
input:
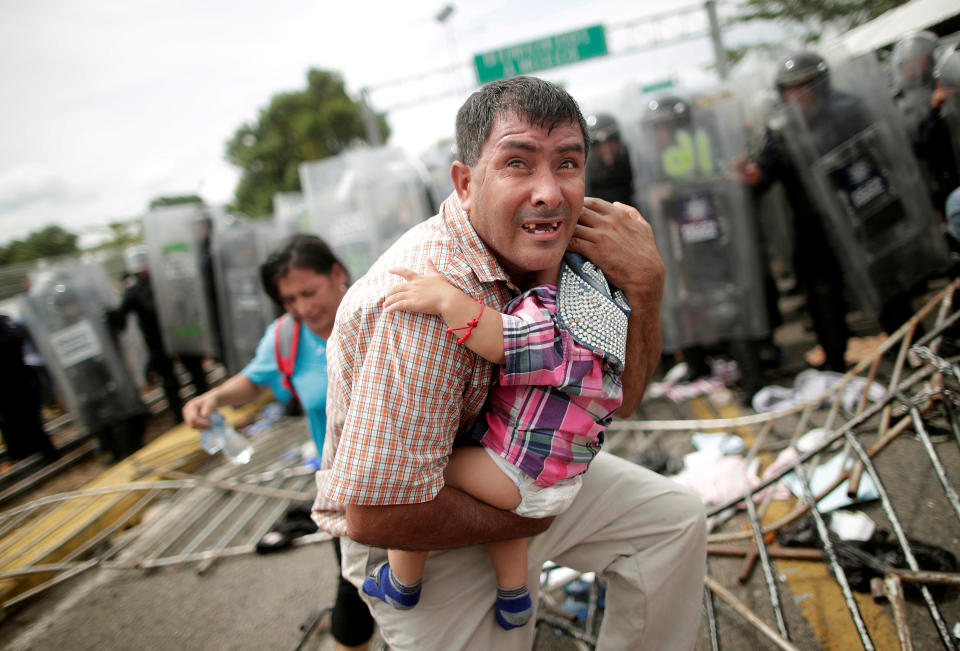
(369, 120)
(719, 52)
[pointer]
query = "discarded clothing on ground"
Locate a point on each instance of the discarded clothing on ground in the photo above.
(810, 384)
(678, 387)
(863, 560)
(658, 461)
(725, 442)
(823, 475)
(716, 478)
(294, 523)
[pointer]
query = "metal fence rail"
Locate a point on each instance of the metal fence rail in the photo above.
(922, 390)
(221, 510)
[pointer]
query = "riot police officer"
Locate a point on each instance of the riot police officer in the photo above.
(848, 185)
(937, 138)
(66, 315)
(138, 298)
(608, 174)
(805, 78)
(713, 296)
(21, 422)
(913, 83)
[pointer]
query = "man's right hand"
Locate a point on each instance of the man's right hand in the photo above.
(196, 413)
(616, 238)
(747, 171)
(940, 95)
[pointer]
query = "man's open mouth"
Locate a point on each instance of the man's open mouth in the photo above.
(545, 227)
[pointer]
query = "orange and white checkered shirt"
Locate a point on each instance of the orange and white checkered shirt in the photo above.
(400, 387)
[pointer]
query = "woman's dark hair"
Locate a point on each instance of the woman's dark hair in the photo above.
(299, 252)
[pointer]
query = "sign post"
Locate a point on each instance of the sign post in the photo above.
(543, 53)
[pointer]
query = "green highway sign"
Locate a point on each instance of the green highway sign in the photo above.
(657, 85)
(543, 53)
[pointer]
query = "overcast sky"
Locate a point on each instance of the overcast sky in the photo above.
(109, 103)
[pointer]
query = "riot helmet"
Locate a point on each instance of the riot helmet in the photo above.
(664, 117)
(602, 127)
(803, 79)
(947, 71)
(65, 300)
(800, 69)
(135, 259)
(668, 109)
(912, 60)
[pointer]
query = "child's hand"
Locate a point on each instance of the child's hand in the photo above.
(421, 293)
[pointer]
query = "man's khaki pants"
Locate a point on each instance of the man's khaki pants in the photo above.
(644, 535)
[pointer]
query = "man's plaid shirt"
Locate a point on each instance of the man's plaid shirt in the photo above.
(400, 387)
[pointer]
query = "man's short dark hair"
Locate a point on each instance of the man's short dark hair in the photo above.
(539, 102)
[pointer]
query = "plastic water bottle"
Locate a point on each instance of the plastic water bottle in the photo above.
(222, 436)
(212, 438)
(236, 446)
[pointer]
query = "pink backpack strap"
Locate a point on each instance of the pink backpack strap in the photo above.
(285, 342)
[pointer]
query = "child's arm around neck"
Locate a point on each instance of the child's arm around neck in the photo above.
(478, 327)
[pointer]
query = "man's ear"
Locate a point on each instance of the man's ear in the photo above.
(460, 173)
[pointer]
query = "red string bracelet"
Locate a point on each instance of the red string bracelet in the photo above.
(471, 324)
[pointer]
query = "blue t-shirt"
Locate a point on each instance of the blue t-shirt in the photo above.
(309, 377)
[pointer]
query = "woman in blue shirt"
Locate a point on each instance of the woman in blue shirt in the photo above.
(307, 281)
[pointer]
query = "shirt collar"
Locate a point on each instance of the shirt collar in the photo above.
(475, 253)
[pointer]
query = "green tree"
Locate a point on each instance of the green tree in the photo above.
(46, 243)
(296, 126)
(124, 234)
(160, 202)
(811, 18)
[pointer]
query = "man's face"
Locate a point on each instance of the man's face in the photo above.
(525, 192)
(662, 135)
(802, 97)
(918, 68)
(607, 151)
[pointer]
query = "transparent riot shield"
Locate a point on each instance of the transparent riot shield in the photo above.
(911, 71)
(774, 215)
(437, 160)
(178, 248)
(239, 246)
(66, 314)
(362, 200)
(703, 221)
(289, 214)
(948, 76)
(858, 168)
(912, 104)
(951, 115)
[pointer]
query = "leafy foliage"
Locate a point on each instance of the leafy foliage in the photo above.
(48, 242)
(296, 126)
(812, 17)
(124, 234)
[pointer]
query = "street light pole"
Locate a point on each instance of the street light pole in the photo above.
(719, 52)
(369, 120)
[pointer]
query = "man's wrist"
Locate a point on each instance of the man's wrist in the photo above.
(644, 291)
